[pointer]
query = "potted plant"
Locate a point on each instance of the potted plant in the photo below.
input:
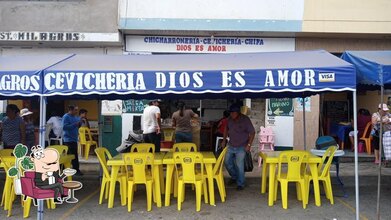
(22, 162)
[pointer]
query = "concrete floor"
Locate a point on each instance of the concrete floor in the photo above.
(246, 204)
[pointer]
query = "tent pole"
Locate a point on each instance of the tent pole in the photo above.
(321, 124)
(304, 128)
(380, 155)
(100, 128)
(200, 112)
(356, 155)
(42, 132)
(100, 132)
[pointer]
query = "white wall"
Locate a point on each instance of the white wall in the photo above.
(47, 50)
(127, 124)
(216, 9)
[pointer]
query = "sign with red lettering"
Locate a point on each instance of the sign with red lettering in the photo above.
(181, 44)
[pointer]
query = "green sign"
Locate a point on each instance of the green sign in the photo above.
(280, 107)
(134, 106)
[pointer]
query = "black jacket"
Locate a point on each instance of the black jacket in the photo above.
(38, 179)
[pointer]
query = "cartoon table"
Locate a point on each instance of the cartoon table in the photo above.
(72, 186)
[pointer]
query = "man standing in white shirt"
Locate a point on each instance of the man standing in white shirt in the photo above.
(152, 124)
(56, 126)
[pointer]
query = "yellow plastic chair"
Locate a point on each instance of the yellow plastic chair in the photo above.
(324, 173)
(295, 173)
(218, 174)
(184, 147)
(8, 186)
(189, 175)
(143, 148)
(3, 164)
(86, 141)
(62, 149)
(141, 165)
(27, 205)
(103, 155)
(168, 134)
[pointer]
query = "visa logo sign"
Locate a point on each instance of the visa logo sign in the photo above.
(326, 77)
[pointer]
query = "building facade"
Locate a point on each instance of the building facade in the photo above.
(200, 26)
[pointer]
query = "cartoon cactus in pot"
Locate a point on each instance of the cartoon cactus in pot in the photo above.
(22, 162)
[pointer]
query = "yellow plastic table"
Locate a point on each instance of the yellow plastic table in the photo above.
(66, 160)
(270, 159)
(209, 160)
(116, 163)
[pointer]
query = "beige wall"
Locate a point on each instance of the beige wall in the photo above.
(90, 105)
(347, 16)
(312, 125)
(370, 100)
(339, 45)
(257, 116)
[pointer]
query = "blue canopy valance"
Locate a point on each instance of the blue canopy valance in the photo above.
(251, 74)
(373, 68)
(277, 74)
(21, 76)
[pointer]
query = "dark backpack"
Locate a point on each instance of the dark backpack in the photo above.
(324, 142)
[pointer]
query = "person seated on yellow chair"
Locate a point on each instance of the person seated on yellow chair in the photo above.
(83, 118)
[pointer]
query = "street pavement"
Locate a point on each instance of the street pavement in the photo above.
(246, 204)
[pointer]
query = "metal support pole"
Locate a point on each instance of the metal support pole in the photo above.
(304, 127)
(380, 155)
(357, 188)
(42, 131)
(100, 132)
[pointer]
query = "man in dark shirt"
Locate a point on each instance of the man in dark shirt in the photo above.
(241, 134)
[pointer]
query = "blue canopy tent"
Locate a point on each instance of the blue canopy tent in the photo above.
(284, 74)
(373, 73)
(373, 68)
(21, 78)
(277, 74)
(281, 74)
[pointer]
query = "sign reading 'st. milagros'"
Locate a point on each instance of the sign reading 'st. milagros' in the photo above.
(58, 36)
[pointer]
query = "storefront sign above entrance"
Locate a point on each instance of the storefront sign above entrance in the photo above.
(113, 75)
(58, 36)
(181, 44)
